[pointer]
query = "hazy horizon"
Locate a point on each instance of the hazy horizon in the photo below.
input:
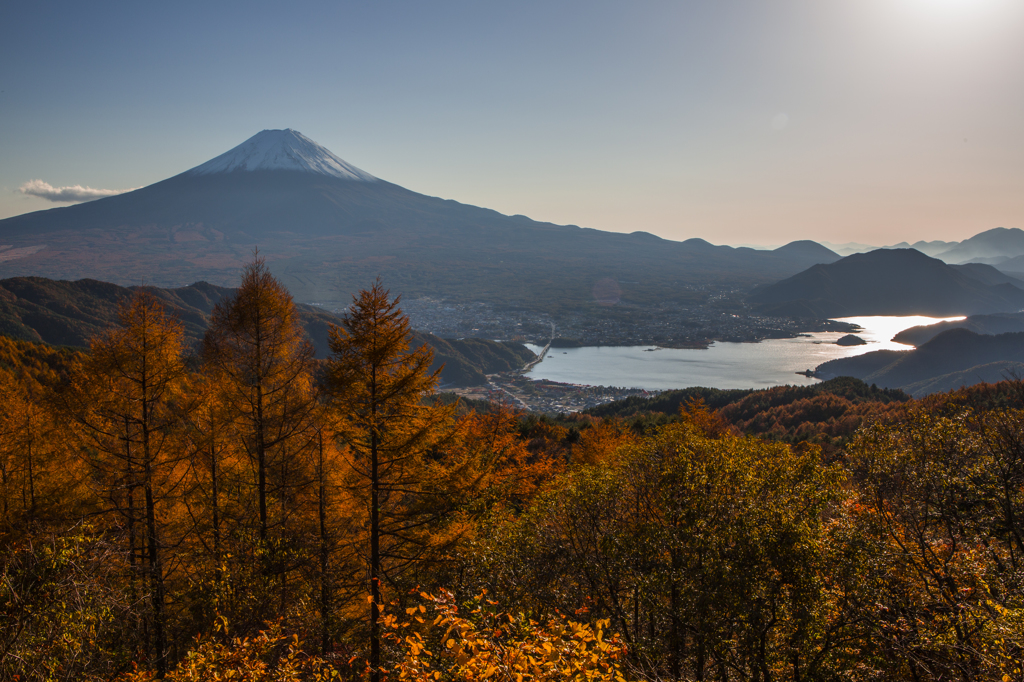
(863, 121)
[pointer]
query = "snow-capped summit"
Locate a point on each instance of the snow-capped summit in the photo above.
(287, 150)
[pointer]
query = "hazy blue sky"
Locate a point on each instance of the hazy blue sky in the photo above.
(739, 121)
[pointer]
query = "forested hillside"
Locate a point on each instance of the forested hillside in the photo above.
(67, 313)
(826, 414)
(953, 358)
(255, 513)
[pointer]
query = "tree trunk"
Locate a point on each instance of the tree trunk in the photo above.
(215, 501)
(325, 592)
(156, 573)
(261, 466)
(130, 501)
(674, 664)
(31, 484)
(375, 604)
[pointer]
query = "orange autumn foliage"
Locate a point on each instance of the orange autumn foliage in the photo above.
(487, 644)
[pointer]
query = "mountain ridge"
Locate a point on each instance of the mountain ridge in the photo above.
(998, 323)
(326, 237)
(954, 355)
(999, 241)
(890, 282)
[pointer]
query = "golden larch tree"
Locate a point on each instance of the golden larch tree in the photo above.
(127, 396)
(376, 386)
(256, 351)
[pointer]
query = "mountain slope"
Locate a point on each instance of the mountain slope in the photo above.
(69, 313)
(286, 150)
(990, 373)
(987, 274)
(886, 282)
(327, 229)
(1010, 265)
(952, 356)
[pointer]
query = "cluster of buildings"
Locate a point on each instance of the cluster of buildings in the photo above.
(549, 397)
(720, 318)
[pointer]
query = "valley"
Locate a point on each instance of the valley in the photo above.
(472, 275)
(520, 392)
(568, 341)
(724, 317)
(326, 234)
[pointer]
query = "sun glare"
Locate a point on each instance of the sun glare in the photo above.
(943, 24)
(957, 8)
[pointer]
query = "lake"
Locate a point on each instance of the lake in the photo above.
(774, 362)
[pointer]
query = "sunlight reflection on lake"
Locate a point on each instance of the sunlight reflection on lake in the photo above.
(724, 365)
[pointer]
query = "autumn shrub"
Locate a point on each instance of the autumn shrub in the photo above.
(941, 504)
(65, 612)
(270, 656)
(479, 642)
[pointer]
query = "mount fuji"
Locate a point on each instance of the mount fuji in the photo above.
(285, 150)
(328, 228)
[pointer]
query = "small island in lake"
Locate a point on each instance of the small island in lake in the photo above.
(851, 340)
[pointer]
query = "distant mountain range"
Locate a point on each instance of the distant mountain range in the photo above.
(1000, 246)
(328, 229)
(891, 282)
(1014, 265)
(69, 313)
(953, 358)
(992, 243)
(932, 248)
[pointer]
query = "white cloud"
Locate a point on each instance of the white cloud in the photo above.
(70, 195)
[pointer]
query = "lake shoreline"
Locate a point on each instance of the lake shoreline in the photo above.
(744, 335)
(722, 364)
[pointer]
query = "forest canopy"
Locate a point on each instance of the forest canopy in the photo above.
(253, 512)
